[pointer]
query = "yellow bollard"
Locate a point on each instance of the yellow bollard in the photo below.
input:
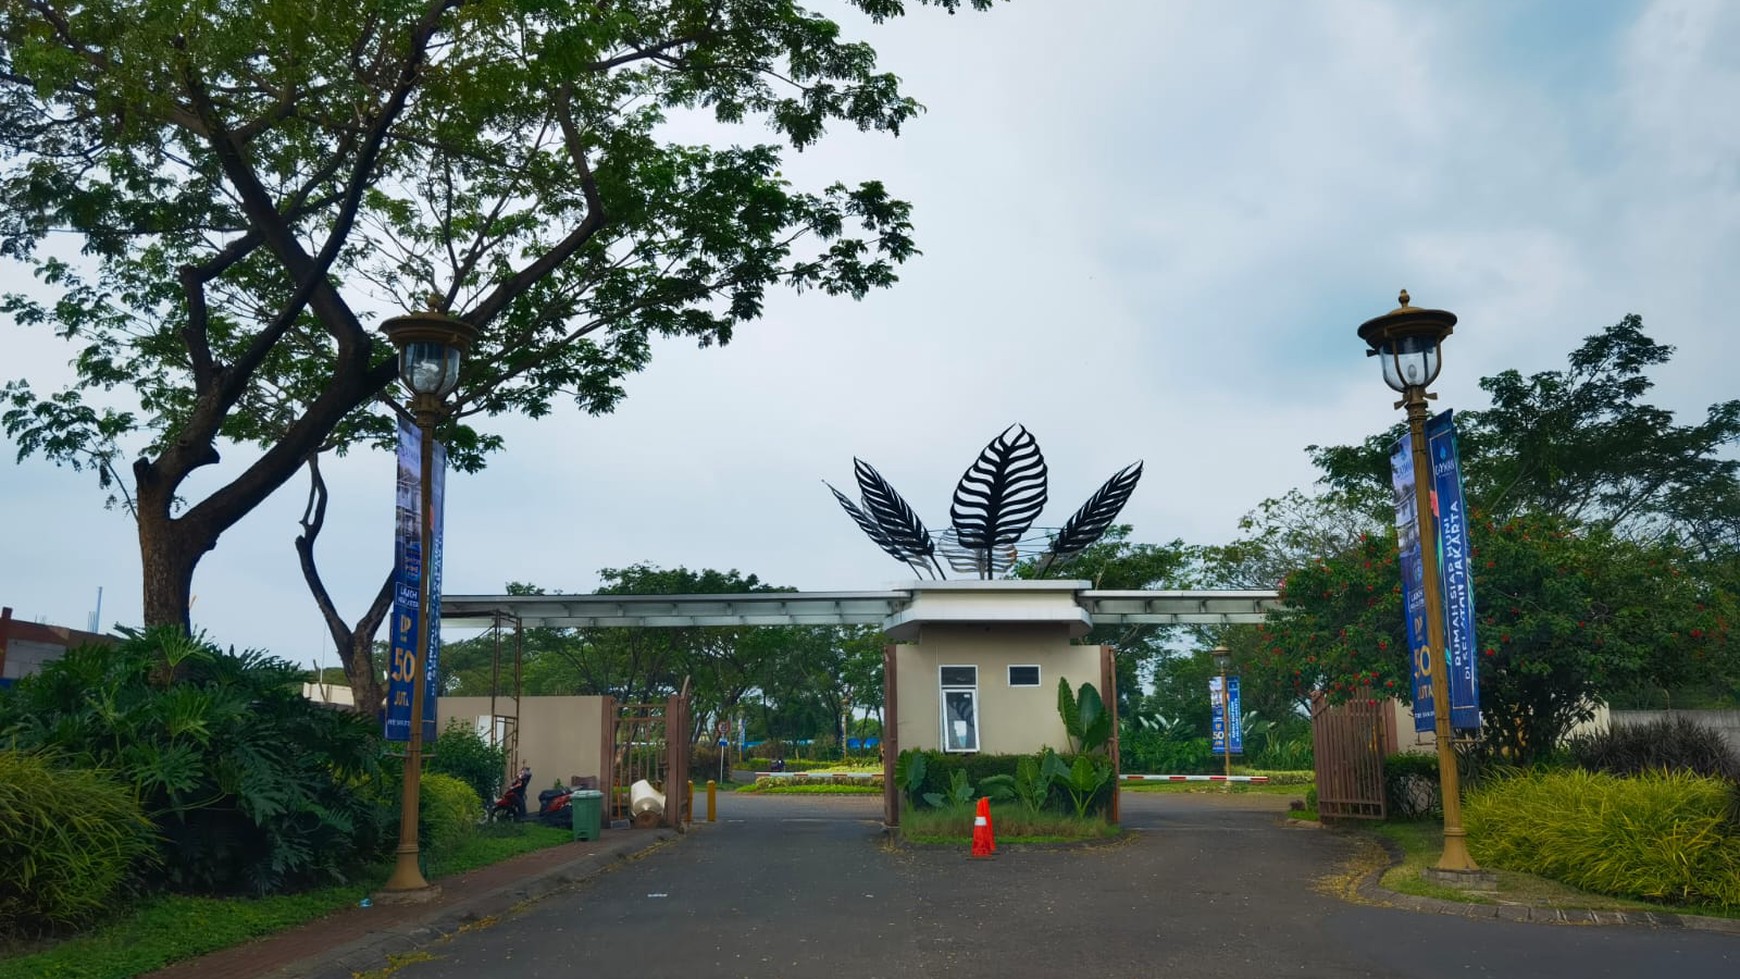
(712, 801)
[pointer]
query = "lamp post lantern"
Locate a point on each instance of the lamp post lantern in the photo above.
(431, 346)
(1223, 663)
(1408, 341)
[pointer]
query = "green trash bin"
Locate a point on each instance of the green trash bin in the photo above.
(588, 806)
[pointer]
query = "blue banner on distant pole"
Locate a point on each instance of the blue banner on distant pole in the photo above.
(407, 571)
(1413, 574)
(1455, 573)
(1219, 724)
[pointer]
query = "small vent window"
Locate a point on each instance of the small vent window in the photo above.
(1024, 676)
(960, 676)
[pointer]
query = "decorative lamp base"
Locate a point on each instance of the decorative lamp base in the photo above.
(1464, 880)
(416, 895)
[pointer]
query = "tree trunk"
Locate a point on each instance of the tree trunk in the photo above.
(356, 647)
(169, 550)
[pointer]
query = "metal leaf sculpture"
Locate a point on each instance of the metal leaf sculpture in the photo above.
(892, 514)
(868, 525)
(1089, 522)
(995, 504)
(1000, 495)
(973, 561)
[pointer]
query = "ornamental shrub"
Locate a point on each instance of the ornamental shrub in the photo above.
(464, 754)
(1659, 835)
(70, 841)
(251, 786)
(449, 812)
(1675, 744)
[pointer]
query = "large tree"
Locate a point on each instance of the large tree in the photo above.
(248, 186)
(1581, 443)
(1604, 549)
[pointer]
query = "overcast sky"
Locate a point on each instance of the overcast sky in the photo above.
(1149, 229)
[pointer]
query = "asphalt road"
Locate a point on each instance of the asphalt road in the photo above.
(1204, 886)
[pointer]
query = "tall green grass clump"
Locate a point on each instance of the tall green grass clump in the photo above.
(70, 841)
(1659, 835)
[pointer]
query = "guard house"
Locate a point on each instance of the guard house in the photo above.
(979, 661)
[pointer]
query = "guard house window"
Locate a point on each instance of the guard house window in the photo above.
(1024, 676)
(960, 708)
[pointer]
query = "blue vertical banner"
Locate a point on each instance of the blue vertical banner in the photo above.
(408, 568)
(1455, 573)
(1220, 722)
(1413, 578)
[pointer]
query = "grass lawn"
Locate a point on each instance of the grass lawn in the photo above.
(828, 788)
(1422, 842)
(168, 928)
(1234, 788)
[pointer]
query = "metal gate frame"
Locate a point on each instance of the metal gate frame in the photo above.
(651, 742)
(1349, 741)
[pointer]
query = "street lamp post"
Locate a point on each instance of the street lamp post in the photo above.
(1223, 663)
(430, 346)
(1408, 341)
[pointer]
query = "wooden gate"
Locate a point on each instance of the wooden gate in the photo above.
(1350, 741)
(651, 742)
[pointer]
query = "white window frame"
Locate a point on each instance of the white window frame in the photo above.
(972, 694)
(1039, 675)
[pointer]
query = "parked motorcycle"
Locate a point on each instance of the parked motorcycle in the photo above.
(555, 809)
(512, 804)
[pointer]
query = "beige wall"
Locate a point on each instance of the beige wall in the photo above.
(559, 736)
(1012, 720)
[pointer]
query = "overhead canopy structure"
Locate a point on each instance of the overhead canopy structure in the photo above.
(876, 608)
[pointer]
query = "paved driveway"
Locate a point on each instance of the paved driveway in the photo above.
(1204, 886)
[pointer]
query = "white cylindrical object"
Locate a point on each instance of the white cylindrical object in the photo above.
(642, 797)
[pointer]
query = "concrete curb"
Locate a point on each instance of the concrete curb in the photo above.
(468, 909)
(1372, 889)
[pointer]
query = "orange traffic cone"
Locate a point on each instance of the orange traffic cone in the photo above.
(984, 840)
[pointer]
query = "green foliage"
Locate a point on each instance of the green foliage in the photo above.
(910, 768)
(271, 178)
(1675, 744)
(1663, 836)
(1082, 778)
(1580, 445)
(1411, 786)
(1085, 717)
(167, 928)
(1565, 614)
(1030, 785)
(251, 786)
(70, 842)
(1170, 751)
(462, 753)
(940, 766)
(1011, 822)
(450, 810)
(959, 794)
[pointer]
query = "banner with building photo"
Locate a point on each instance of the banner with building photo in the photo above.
(1455, 573)
(1221, 722)
(1413, 575)
(407, 572)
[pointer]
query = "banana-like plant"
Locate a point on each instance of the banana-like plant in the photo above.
(1030, 785)
(909, 772)
(1082, 778)
(1085, 718)
(959, 795)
